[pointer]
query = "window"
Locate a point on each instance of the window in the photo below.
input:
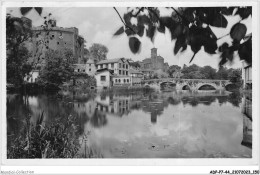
(101, 66)
(127, 80)
(119, 72)
(124, 80)
(103, 78)
(123, 72)
(126, 72)
(89, 70)
(119, 65)
(83, 70)
(116, 80)
(78, 70)
(123, 65)
(112, 65)
(52, 36)
(126, 66)
(119, 80)
(58, 43)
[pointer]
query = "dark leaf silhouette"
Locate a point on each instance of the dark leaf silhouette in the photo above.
(25, 10)
(134, 44)
(129, 32)
(39, 10)
(210, 45)
(150, 32)
(140, 30)
(245, 51)
(219, 21)
(180, 43)
(238, 31)
(120, 31)
(244, 12)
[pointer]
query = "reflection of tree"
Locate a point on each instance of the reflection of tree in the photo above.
(194, 101)
(222, 99)
(235, 98)
(98, 120)
(173, 101)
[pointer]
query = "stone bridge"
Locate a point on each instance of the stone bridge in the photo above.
(184, 84)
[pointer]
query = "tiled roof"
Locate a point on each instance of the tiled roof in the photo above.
(109, 61)
(90, 61)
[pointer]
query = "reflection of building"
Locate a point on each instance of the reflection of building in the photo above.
(247, 75)
(154, 107)
(247, 132)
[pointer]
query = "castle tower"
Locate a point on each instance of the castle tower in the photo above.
(154, 58)
(153, 53)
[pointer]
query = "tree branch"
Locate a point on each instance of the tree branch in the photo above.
(124, 21)
(223, 36)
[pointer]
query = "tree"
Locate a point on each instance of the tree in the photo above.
(235, 76)
(18, 32)
(173, 69)
(222, 73)
(190, 26)
(57, 69)
(98, 52)
(208, 72)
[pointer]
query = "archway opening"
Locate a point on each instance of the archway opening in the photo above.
(167, 85)
(207, 87)
(185, 87)
(232, 87)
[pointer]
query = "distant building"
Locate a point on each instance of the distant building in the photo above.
(136, 77)
(119, 68)
(58, 38)
(90, 67)
(154, 63)
(104, 78)
(32, 77)
(247, 75)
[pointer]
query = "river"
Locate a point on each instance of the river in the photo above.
(147, 123)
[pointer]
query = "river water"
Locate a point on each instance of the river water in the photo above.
(148, 124)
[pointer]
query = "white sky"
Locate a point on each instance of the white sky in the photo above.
(97, 25)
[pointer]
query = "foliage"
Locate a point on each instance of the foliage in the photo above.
(18, 31)
(57, 68)
(173, 69)
(98, 52)
(135, 64)
(207, 72)
(56, 140)
(189, 26)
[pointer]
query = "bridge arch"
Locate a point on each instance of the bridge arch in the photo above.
(231, 86)
(185, 87)
(170, 83)
(208, 86)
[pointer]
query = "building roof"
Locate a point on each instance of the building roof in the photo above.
(133, 71)
(104, 70)
(90, 61)
(109, 61)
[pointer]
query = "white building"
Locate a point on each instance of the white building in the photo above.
(119, 68)
(104, 79)
(90, 67)
(247, 75)
(32, 77)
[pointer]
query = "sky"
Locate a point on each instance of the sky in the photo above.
(98, 24)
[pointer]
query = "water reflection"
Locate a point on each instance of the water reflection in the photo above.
(149, 123)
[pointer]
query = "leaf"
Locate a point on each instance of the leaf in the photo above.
(168, 22)
(180, 43)
(25, 10)
(161, 28)
(244, 12)
(140, 30)
(223, 47)
(245, 51)
(39, 10)
(120, 31)
(129, 32)
(134, 44)
(143, 19)
(238, 31)
(150, 32)
(210, 45)
(176, 31)
(219, 21)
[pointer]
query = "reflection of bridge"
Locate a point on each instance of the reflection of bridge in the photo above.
(182, 84)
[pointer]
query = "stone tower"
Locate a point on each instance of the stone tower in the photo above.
(153, 53)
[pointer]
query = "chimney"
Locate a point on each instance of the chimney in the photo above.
(153, 53)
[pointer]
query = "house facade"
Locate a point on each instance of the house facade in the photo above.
(247, 75)
(119, 68)
(104, 79)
